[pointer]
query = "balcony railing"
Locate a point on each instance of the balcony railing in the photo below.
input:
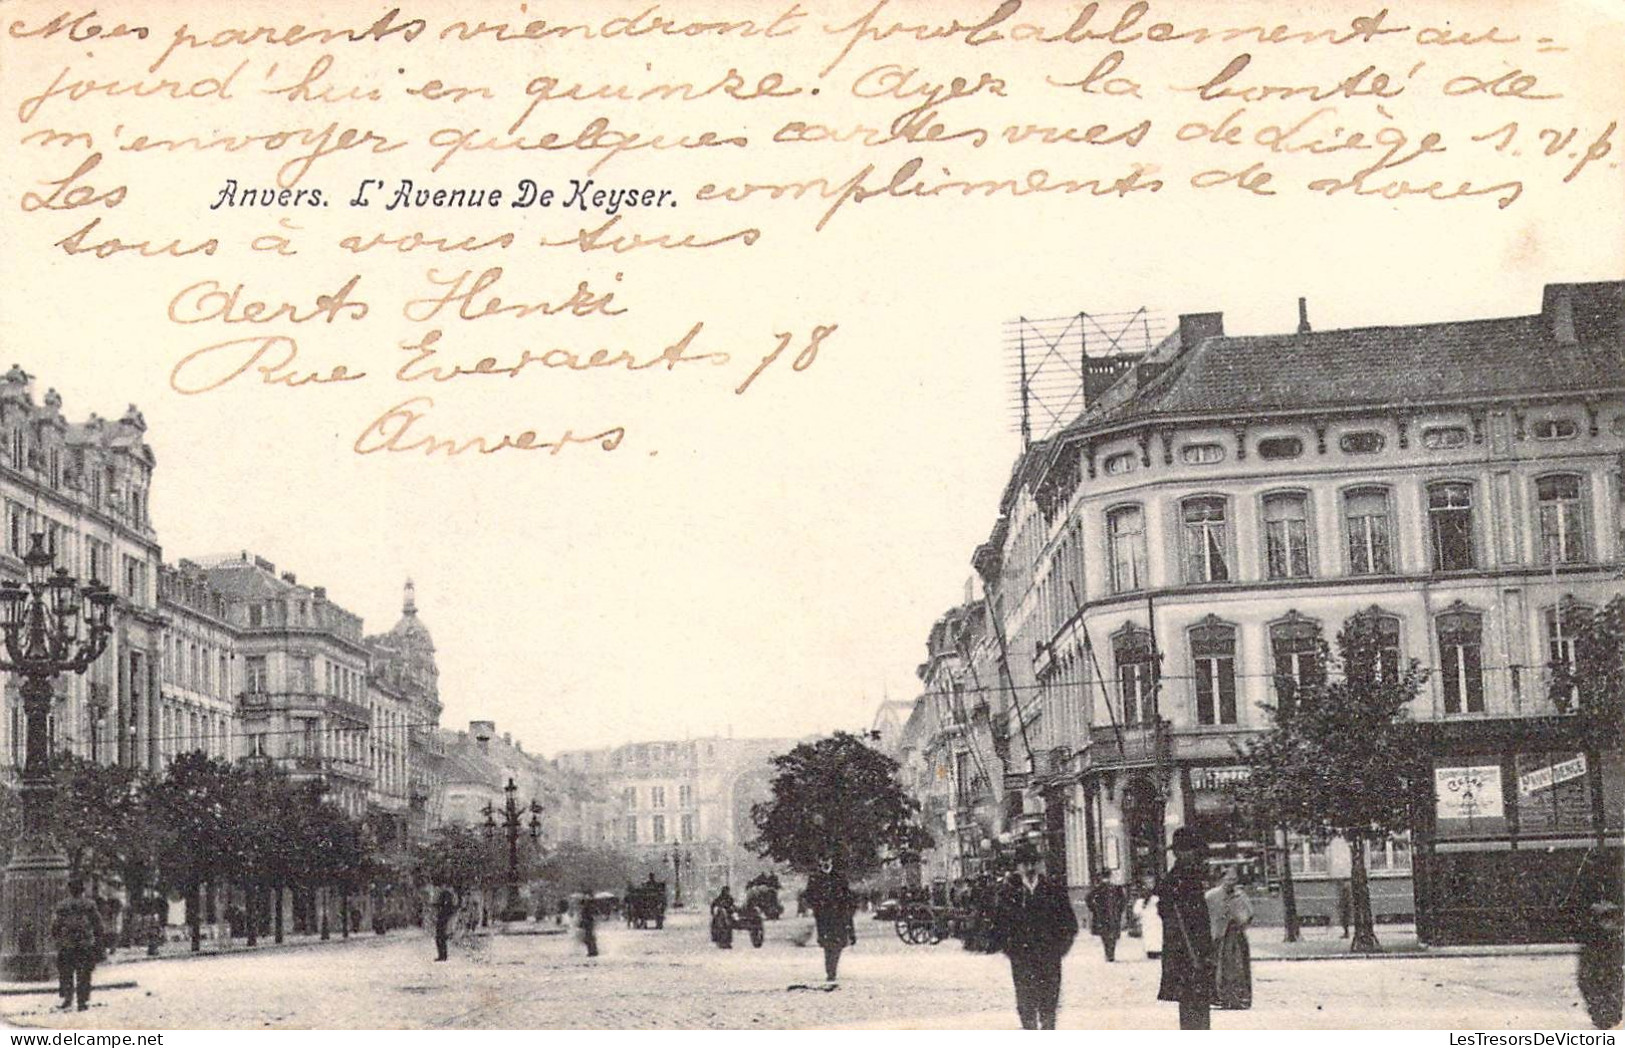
(1132, 745)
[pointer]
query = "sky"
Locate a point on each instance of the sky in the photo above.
(765, 564)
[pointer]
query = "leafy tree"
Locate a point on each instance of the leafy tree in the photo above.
(454, 855)
(1337, 760)
(192, 808)
(837, 798)
(1594, 685)
(572, 866)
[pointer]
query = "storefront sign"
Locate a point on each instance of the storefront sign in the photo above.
(1219, 778)
(1545, 778)
(1469, 793)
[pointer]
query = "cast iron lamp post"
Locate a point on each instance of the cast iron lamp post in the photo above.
(512, 824)
(677, 858)
(52, 625)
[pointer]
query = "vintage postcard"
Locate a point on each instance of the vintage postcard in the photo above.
(786, 514)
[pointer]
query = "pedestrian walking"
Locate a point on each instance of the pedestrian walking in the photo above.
(587, 924)
(1601, 966)
(445, 909)
(1034, 926)
(722, 919)
(1187, 955)
(77, 928)
(1106, 906)
(833, 905)
(1229, 914)
(1145, 918)
(1340, 868)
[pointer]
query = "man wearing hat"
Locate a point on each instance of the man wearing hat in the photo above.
(1034, 925)
(1187, 940)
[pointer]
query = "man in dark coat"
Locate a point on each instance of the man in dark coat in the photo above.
(1106, 905)
(833, 905)
(1187, 938)
(445, 908)
(1034, 925)
(77, 928)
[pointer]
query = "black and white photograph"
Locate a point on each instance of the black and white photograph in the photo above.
(811, 515)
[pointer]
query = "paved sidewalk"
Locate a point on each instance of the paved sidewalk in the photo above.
(1398, 942)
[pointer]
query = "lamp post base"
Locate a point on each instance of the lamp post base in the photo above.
(33, 886)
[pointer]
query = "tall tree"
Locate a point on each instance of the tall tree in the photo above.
(837, 798)
(453, 855)
(191, 810)
(1337, 760)
(1593, 684)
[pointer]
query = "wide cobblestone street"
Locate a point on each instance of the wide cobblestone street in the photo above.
(676, 979)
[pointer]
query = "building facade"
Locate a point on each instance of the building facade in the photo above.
(222, 656)
(84, 487)
(689, 801)
(1167, 566)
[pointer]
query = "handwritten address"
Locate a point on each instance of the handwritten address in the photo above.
(461, 202)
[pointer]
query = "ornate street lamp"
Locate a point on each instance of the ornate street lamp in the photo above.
(512, 824)
(52, 625)
(677, 857)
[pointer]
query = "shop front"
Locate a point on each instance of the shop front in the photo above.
(1506, 812)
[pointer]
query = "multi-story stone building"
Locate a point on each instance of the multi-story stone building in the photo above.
(692, 798)
(403, 694)
(303, 706)
(197, 708)
(84, 486)
(1167, 565)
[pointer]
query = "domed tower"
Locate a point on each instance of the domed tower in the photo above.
(407, 660)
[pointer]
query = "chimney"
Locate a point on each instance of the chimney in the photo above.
(290, 578)
(507, 738)
(320, 592)
(482, 732)
(1303, 316)
(1194, 327)
(1589, 314)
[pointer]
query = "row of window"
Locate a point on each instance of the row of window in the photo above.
(84, 555)
(77, 470)
(198, 667)
(1206, 537)
(657, 830)
(1359, 442)
(657, 797)
(1297, 659)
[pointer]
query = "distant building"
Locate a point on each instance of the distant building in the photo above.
(692, 797)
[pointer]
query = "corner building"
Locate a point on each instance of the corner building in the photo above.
(1167, 564)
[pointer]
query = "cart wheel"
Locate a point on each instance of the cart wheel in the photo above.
(902, 928)
(756, 937)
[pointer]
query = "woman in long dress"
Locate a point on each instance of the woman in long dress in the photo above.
(1145, 916)
(1231, 912)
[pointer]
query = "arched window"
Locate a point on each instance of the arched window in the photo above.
(1461, 661)
(1450, 523)
(1136, 675)
(1561, 501)
(1387, 629)
(1125, 533)
(1205, 530)
(1213, 657)
(1563, 623)
(1295, 647)
(1286, 535)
